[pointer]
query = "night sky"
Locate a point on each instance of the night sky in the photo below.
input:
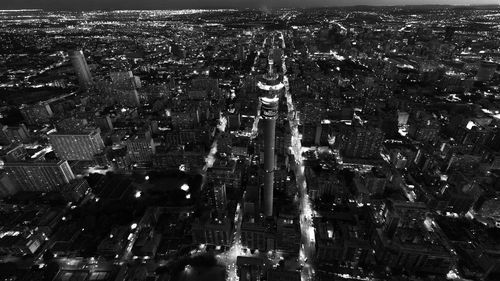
(178, 4)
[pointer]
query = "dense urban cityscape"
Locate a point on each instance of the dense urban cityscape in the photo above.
(346, 143)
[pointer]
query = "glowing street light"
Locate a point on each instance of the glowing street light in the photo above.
(188, 196)
(137, 194)
(146, 178)
(133, 226)
(185, 187)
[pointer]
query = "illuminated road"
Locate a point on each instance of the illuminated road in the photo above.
(308, 244)
(229, 257)
(255, 127)
(210, 159)
(307, 250)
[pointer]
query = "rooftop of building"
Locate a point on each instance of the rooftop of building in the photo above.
(54, 163)
(249, 261)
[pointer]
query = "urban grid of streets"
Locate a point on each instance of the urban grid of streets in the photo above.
(228, 258)
(394, 116)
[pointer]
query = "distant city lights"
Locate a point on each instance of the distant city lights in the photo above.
(379, 140)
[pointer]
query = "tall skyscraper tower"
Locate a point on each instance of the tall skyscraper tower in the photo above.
(270, 88)
(77, 146)
(39, 176)
(81, 69)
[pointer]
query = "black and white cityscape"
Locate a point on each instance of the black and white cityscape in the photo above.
(238, 141)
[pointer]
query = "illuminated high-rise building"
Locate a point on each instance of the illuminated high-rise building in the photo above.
(363, 142)
(81, 68)
(141, 149)
(270, 88)
(77, 146)
(126, 85)
(39, 176)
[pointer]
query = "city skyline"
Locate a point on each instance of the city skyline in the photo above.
(321, 144)
(240, 4)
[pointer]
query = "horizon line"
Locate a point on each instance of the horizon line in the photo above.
(253, 8)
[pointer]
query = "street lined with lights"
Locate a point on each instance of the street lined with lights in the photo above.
(307, 250)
